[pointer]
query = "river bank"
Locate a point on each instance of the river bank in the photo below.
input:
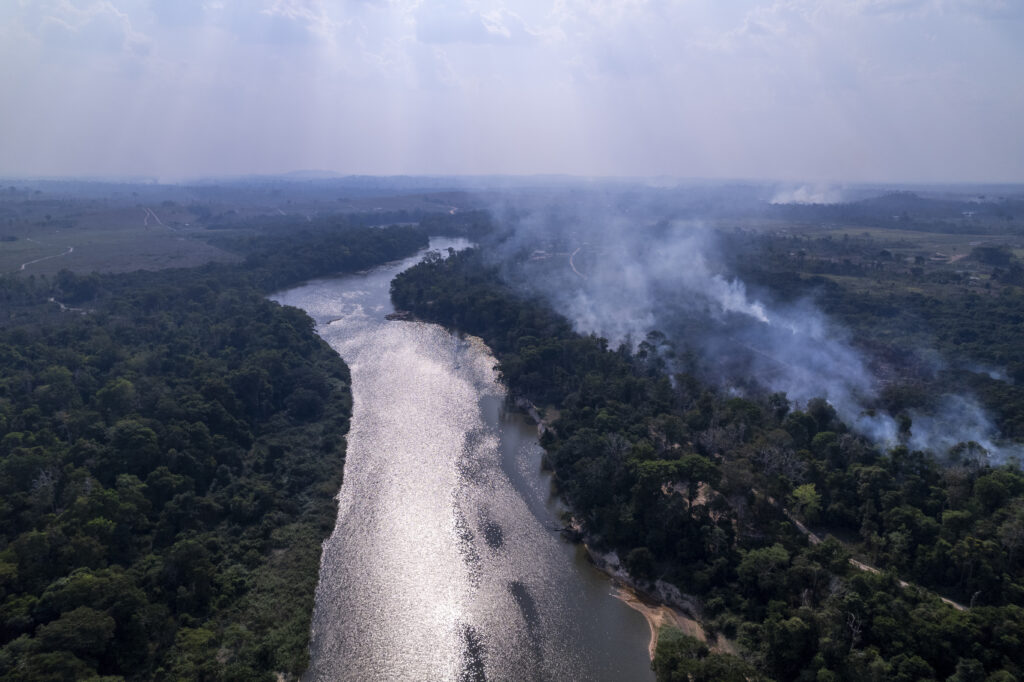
(660, 603)
(657, 616)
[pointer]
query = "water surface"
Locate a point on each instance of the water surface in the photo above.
(446, 562)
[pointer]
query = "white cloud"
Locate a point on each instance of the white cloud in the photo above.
(461, 21)
(95, 26)
(179, 13)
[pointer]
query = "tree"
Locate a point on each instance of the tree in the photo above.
(676, 656)
(640, 563)
(83, 631)
(762, 571)
(807, 502)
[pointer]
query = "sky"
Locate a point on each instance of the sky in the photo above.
(794, 90)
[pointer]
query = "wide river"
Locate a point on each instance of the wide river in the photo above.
(446, 562)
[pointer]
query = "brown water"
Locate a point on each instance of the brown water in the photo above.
(446, 562)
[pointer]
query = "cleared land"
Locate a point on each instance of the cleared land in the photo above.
(45, 237)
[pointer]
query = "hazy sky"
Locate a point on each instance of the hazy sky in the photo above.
(810, 90)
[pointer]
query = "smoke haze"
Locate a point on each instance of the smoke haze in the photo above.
(788, 90)
(808, 194)
(618, 271)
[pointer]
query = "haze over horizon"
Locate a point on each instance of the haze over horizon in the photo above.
(790, 90)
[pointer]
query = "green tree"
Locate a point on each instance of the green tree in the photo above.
(83, 631)
(807, 502)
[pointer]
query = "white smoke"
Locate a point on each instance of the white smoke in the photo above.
(959, 419)
(808, 194)
(626, 280)
(994, 373)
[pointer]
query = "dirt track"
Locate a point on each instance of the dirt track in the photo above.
(39, 260)
(573, 264)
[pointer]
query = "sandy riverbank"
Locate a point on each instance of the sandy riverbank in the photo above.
(664, 605)
(658, 615)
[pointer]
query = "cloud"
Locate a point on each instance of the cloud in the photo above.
(900, 8)
(179, 13)
(806, 92)
(273, 24)
(454, 21)
(94, 27)
(311, 14)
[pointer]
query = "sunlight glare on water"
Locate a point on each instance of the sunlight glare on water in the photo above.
(446, 563)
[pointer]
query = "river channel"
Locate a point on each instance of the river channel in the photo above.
(446, 562)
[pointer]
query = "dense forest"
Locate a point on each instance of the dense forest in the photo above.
(702, 489)
(172, 444)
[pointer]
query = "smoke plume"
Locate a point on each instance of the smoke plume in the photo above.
(615, 271)
(808, 194)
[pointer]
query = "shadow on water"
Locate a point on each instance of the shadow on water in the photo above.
(531, 617)
(472, 656)
(493, 535)
(533, 487)
(467, 548)
(472, 464)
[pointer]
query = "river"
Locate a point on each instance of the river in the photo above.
(446, 562)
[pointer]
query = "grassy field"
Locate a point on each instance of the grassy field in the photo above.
(44, 237)
(949, 244)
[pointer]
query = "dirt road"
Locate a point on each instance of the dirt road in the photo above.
(40, 260)
(572, 264)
